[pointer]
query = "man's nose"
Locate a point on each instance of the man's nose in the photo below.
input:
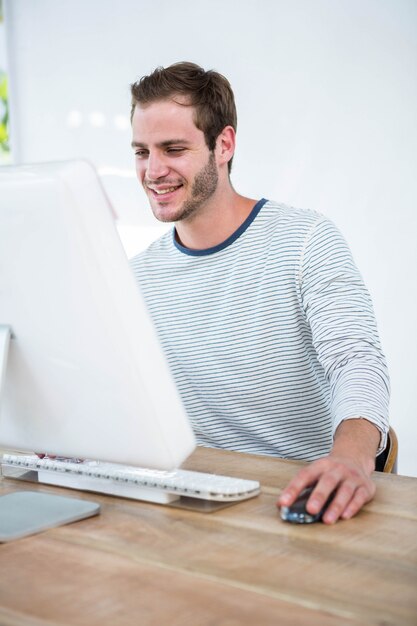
(156, 167)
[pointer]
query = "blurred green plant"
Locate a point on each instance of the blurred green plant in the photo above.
(4, 114)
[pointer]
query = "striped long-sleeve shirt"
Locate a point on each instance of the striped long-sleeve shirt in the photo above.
(270, 336)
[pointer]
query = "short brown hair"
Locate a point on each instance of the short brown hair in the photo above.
(208, 92)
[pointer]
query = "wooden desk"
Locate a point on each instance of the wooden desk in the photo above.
(144, 564)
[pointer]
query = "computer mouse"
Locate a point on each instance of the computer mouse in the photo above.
(296, 513)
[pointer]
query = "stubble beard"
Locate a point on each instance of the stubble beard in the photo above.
(203, 187)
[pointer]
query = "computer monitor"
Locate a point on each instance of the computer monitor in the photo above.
(86, 376)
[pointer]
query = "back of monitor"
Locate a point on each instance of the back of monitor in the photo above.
(86, 376)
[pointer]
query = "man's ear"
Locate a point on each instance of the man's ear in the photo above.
(225, 145)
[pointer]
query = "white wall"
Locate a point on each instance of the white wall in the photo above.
(327, 100)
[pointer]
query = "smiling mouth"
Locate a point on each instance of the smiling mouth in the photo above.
(163, 191)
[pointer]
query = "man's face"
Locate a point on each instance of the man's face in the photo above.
(174, 165)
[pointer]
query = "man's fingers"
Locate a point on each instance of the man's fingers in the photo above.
(341, 483)
(310, 475)
(328, 485)
(304, 478)
(360, 498)
(350, 498)
(339, 503)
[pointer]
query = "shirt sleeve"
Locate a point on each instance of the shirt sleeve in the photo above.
(340, 314)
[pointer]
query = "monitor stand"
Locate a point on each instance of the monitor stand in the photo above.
(24, 513)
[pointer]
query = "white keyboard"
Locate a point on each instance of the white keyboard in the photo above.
(133, 482)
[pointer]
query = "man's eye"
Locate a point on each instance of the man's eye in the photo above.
(140, 153)
(175, 150)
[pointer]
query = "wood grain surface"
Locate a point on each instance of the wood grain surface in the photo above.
(152, 565)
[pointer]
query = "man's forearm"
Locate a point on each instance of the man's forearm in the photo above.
(358, 440)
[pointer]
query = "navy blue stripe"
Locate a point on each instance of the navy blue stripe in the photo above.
(228, 242)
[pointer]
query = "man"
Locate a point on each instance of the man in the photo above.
(267, 326)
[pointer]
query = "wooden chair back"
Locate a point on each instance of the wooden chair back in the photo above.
(387, 460)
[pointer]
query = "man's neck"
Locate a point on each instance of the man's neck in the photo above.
(220, 219)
